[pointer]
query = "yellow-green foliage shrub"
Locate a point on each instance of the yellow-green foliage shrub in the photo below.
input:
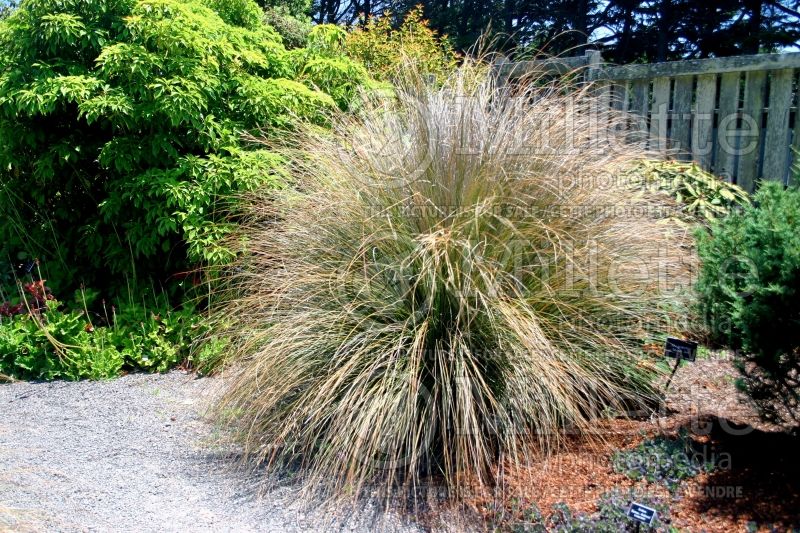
(121, 126)
(383, 48)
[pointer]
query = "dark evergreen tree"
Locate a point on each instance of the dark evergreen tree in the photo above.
(625, 30)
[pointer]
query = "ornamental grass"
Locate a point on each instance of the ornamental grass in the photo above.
(456, 280)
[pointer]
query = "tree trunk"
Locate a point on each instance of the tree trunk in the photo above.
(664, 29)
(752, 44)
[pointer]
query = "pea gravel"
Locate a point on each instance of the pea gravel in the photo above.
(136, 454)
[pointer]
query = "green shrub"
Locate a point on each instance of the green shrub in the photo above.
(295, 8)
(417, 307)
(323, 66)
(383, 49)
(121, 125)
(702, 197)
(749, 286)
(243, 13)
(293, 30)
(326, 39)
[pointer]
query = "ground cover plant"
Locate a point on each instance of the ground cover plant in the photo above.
(434, 296)
(748, 288)
(701, 196)
(662, 460)
(42, 338)
(121, 124)
(609, 518)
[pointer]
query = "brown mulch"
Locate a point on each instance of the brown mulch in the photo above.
(757, 479)
(707, 388)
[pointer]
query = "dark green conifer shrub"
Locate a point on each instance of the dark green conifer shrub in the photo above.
(749, 286)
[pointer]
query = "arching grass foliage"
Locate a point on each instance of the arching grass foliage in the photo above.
(456, 279)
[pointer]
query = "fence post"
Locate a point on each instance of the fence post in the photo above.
(602, 91)
(500, 78)
(593, 60)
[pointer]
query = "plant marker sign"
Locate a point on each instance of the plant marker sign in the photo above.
(641, 514)
(680, 349)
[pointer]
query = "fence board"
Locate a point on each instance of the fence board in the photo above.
(777, 139)
(752, 109)
(640, 96)
(659, 114)
(604, 95)
(620, 96)
(639, 107)
(703, 120)
(720, 137)
(691, 67)
(599, 114)
(682, 116)
(727, 141)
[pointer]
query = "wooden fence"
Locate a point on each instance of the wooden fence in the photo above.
(736, 116)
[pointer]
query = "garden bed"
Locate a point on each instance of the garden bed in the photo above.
(754, 486)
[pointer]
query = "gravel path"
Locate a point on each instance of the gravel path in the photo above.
(133, 454)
